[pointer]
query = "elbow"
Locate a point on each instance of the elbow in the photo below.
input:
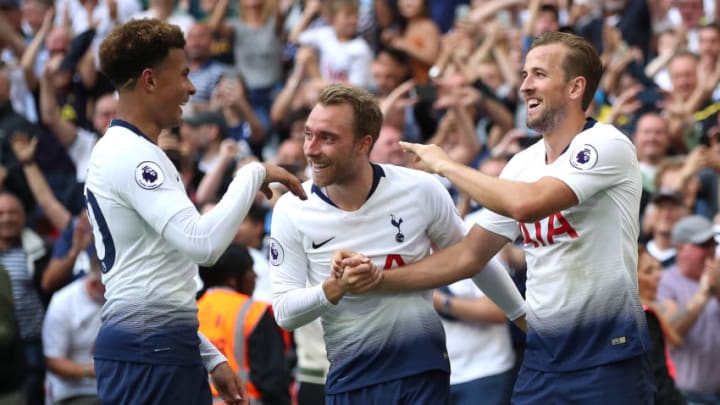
(526, 211)
(204, 255)
(205, 259)
(285, 323)
(282, 319)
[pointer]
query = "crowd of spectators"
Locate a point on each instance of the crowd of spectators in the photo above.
(444, 71)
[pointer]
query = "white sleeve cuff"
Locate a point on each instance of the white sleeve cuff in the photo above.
(211, 356)
(496, 284)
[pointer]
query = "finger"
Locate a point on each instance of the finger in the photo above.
(353, 261)
(243, 397)
(341, 254)
(267, 191)
(295, 187)
(409, 146)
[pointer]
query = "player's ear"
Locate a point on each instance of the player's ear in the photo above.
(577, 87)
(365, 144)
(147, 79)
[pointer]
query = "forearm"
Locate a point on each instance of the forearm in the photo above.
(305, 20)
(29, 56)
(210, 183)
(497, 285)
(69, 369)
(86, 69)
(684, 318)
(12, 39)
(484, 189)
(466, 128)
(282, 102)
(426, 55)
(65, 131)
(55, 212)
(257, 131)
(295, 307)
(491, 8)
(204, 238)
(445, 267)
(508, 68)
(218, 15)
(209, 354)
(58, 271)
(497, 113)
(479, 310)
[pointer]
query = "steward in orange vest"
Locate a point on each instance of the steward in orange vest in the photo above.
(244, 330)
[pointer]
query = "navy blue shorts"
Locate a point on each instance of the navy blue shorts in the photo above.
(432, 388)
(122, 383)
(624, 382)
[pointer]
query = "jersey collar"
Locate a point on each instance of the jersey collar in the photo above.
(378, 172)
(131, 127)
(589, 123)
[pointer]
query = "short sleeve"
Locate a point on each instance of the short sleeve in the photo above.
(595, 163)
(446, 227)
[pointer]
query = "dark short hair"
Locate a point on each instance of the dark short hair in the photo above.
(135, 46)
(235, 262)
(367, 117)
(257, 213)
(581, 59)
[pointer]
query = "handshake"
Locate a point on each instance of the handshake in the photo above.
(351, 272)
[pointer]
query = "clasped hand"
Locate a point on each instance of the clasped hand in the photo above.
(354, 272)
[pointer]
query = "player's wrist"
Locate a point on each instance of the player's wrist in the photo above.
(88, 371)
(334, 289)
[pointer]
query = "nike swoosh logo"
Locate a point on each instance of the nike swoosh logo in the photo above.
(317, 245)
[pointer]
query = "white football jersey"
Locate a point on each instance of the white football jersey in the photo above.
(132, 191)
(375, 337)
(583, 307)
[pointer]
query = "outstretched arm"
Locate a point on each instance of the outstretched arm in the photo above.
(525, 202)
(467, 258)
(205, 237)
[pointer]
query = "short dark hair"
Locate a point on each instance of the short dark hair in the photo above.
(235, 262)
(398, 55)
(581, 59)
(257, 213)
(137, 45)
(367, 117)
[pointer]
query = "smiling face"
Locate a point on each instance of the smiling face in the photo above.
(651, 138)
(545, 87)
(330, 146)
(171, 88)
(683, 75)
(12, 218)
(198, 41)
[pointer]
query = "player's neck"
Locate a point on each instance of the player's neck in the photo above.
(135, 113)
(350, 195)
(558, 139)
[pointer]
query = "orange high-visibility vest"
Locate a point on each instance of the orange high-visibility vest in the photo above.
(222, 315)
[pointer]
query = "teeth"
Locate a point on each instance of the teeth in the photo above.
(533, 103)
